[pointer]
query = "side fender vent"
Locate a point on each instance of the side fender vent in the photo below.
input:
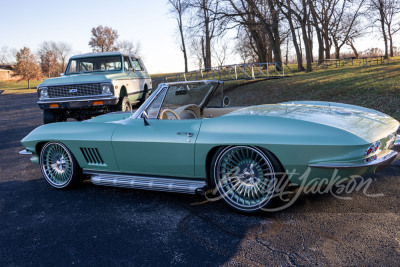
(92, 156)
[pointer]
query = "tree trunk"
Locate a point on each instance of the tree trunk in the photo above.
(337, 52)
(318, 31)
(354, 49)
(327, 46)
(310, 38)
(203, 53)
(29, 86)
(390, 42)
(179, 9)
(207, 59)
(382, 19)
(183, 44)
(300, 66)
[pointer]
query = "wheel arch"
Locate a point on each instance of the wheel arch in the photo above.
(39, 146)
(123, 92)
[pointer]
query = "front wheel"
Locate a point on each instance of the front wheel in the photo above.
(246, 177)
(59, 166)
(50, 116)
(124, 104)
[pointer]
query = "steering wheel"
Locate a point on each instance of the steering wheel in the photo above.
(193, 108)
(164, 115)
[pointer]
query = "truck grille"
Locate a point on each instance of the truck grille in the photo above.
(74, 90)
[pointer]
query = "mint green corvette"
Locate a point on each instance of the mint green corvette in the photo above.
(185, 139)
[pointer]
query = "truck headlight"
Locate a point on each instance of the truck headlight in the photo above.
(43, 92)
(106, 89)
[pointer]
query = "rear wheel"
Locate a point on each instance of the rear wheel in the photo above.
(246, 177)
(59, 166)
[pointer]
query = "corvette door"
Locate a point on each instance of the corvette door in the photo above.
(165, 147)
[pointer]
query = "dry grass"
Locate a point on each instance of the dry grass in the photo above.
(376, 87)
(16, 87)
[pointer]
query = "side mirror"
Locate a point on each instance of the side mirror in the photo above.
(226, 102)
(145, 117)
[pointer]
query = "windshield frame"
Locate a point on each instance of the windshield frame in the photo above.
(66, 72)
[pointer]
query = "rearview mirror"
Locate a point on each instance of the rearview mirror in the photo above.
(181, 92)
(145, 117)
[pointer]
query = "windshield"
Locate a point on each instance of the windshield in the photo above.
(93, 64)
(180, 95)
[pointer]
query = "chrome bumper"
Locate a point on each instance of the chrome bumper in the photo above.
(76, 99)
(379, 164)
(25, 152)
(396, 144)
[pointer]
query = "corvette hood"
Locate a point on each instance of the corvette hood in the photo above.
(366, 123)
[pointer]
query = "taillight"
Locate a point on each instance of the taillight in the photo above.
(372, 148)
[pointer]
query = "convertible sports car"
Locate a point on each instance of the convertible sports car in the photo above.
(186, 139)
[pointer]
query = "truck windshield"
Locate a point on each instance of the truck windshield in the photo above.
(93, 64)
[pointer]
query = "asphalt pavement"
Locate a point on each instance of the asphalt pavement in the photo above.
(103, 226)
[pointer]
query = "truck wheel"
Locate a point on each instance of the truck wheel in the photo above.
(124, 104)
(49, 116)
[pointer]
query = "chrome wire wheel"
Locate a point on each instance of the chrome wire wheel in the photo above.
(57, 165)
(245, 177)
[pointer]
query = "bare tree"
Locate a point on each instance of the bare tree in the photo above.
(388, 16)
(267, 11)
(205, 25)
(220, 53)
(246, 48)
(49, 64)
(197, 52)
(129, 47)
(61, 50)
(287, 11)
(103, 39)
(26, 66)
(344, 20)
(4, 55)
(322, 12)
(178, 9)
(300, 10)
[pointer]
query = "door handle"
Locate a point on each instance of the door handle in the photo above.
(185, 133)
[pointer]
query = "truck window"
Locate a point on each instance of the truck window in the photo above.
(127, 64)
(136, 64)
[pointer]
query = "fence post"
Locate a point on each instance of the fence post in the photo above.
(252, 71)
(235, 72)
(283, 69)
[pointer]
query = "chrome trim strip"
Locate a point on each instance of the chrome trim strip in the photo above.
(74, 99)
(146, 182)
(65, 84)
(25, 152)
(386, 159)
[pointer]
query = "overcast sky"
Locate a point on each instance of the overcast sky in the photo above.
(29, 23)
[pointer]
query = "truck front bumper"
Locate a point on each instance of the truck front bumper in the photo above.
(72, 103)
